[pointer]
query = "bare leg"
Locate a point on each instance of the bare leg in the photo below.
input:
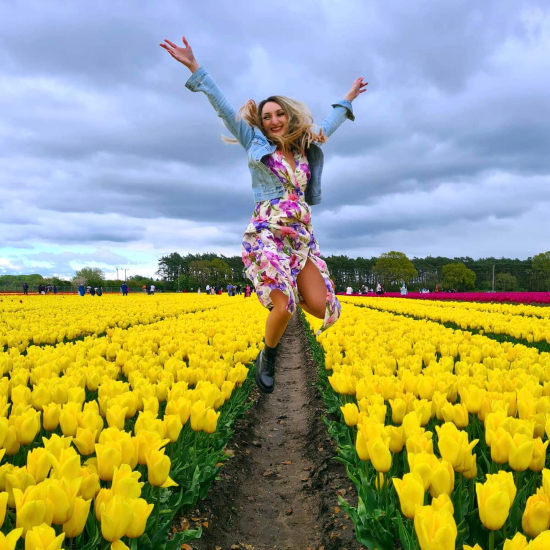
(278, 318)
(312, 288)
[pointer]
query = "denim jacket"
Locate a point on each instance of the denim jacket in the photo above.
(265, 184)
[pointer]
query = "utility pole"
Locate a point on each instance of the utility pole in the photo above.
(493, 277)
(179, 273)
(125, 274)
(116, 273)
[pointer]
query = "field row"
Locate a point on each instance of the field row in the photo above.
(444, 433)
(500, 320)
(105, 438)
(38, 320)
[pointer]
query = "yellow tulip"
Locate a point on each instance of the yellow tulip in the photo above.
(494, 504)
(398, 410)
(51, 414)
(410, 490)
(361, 446)
(109, 457)
(116, 416)
(521, 452)
(125, 482)
(519, 542)
(443, 502)
(539, 455)
(119, 545)
(148, 442)
(395, 434)
(198, 412)
(8, 542)
(379, 454)
(210, 421)
(68, 419)
(501, 441)
(3, 505)
(536, 516)
(173, 427)
(104, 496)
(435, 529)
(42, 537)
(115, 518)
(85, 441)
(542, 542)
(31, 513)
(141, 510)
(39, 463)
(350, 413)
(90, 483)
(77, 521)
(158, 469)
(442, 479)
(423, 464)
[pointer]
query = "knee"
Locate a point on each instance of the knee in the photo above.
(281, 309)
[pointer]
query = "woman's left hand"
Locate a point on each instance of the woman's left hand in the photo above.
(358, 87)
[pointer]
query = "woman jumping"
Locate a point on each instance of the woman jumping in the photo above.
(279, 251)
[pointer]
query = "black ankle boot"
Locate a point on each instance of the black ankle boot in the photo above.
(265, 369)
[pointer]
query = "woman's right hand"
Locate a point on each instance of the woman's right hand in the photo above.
(183, 55)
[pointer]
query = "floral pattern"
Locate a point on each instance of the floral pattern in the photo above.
(279, 240)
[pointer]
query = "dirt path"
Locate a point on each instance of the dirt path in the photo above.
(280, 490)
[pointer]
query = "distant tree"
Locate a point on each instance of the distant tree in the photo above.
(458, 276)
(541, 264)
(93, 276)
(220, 270)
(394, 268)
(505, 282)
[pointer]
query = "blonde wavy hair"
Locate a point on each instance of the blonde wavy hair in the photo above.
(301, 132)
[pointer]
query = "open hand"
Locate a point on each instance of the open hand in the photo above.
(183, 55)
(358, 87)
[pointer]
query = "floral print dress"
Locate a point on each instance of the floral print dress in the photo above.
(279, 240)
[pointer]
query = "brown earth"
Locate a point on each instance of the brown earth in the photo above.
(280, 489)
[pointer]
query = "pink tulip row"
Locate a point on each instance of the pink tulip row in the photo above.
(515, 297)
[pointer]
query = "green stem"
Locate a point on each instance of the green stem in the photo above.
(471, 495)
(460, 497)
(386, 500)
(504, 531)
(492, 540)
(158, 507)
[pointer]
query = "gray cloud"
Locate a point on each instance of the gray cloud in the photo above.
(101, 144)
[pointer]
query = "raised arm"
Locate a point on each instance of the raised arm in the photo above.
(201, 81)
(343, 109)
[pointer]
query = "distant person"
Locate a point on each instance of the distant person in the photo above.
(378, 288)
(247, 291)
(55, 289)
(404, 290)
(92, 291)
(25, 288)
(349, 290)
(81, 289)
(199, 291)
(124, 289)
(238, 289)
(98, 291)
(207, 289)
(152, 289)
(144, 288)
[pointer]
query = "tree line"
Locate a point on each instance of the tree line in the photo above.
(391, 269)
(189, 272)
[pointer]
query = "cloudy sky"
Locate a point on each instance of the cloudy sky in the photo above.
(106, 159)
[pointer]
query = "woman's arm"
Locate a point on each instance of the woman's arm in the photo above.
(343, 109)
(201, 81)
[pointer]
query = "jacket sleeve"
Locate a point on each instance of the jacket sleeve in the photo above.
(201, 81)
(340, 112)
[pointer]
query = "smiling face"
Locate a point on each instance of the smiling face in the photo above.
(274, 119)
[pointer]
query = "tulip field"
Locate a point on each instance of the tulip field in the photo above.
(444, 426)
(115, 412)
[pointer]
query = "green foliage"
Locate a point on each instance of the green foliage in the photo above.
(541, 264)
(458, 276)
(505, 282)
(92, 276)
(394, 268)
